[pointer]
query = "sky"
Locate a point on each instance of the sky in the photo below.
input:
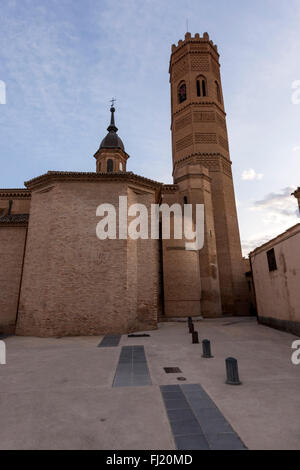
(61, 61)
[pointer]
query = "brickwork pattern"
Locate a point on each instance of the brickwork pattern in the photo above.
(12, 241)
(76, 284)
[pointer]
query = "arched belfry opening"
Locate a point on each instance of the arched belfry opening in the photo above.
(201, 86)
(109, 165)
(182, 92)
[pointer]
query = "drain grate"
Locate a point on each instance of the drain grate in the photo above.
(172, 370)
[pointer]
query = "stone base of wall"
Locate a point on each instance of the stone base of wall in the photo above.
(73, 328)
(6, 329)
(283, 325)
(164, 319)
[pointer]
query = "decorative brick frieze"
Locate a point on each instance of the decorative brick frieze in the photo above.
(184, 143)
(224, 143)
(200, 63)
(202, 138)
(204, 116)
(183, 122)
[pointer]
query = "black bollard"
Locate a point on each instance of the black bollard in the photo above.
(190, 320)
(191, 327)
(206, 349)
(195, 337)
(232, 371)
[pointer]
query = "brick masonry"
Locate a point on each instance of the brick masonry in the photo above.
(76, 284)
(12, 241)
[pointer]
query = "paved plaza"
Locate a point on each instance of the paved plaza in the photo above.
(83, 393)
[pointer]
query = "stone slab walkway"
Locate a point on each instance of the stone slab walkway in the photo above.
(59, 393)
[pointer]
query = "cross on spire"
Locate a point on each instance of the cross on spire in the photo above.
(112, 101)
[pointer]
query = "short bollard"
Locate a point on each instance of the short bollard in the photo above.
(232, 371)
(191, 327)
(206, 349)
(195, 337)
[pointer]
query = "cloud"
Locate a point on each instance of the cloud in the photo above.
(250, 175)
(281, 203)
(254, 242)
(296, 149)
(276, 212)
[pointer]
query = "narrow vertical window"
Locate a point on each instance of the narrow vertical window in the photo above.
(271, 260)
(110, 166)
(218, 92)
(182, 93)
(201, 86)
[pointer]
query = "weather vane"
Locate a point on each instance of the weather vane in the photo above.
(112, 101)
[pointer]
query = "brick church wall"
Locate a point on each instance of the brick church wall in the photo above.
(74, 283)
(12, 240)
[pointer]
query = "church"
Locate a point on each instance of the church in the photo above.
(57, 278)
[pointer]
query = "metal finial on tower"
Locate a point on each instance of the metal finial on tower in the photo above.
(112, 140)
(112, 127)
(112, 101)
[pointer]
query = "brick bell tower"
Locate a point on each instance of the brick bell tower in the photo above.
(199, 137)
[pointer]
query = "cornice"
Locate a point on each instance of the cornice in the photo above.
(202, 154)
(174, 61)
(113, 151)
(68, 176)
(194, 40)
(198, 103)
(15, 193)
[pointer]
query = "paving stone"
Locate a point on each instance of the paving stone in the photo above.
(195, 420)
(122, 383)
(191, 387)
(139, 365)
(196, 394)
(132, 369)
(207, 414)
(170, 388)
(201, 403)
(172, 395)
(191, 442)
(185, 426)
(141, 382)
(180, 415)
(110, 341)
(176, 404)
(225, 441)
(215, 426)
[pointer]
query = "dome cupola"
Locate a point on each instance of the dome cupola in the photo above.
(111, 155)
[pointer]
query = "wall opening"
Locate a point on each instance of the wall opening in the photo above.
(271, 257)
(110, 165)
